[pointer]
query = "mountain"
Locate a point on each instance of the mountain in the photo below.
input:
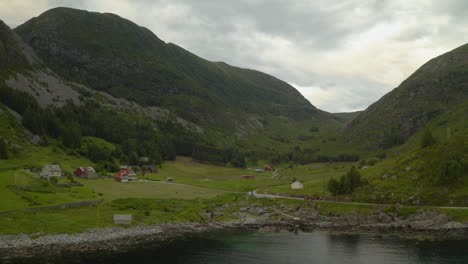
(438, 88)
(108, 53)
(346, 116)
(71, 75)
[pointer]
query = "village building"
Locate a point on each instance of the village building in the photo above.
(50, 171)
(125, 176)
(149, 169)
(248, 177)
(123, 219)
(268, 168)
(258, 170)
(86, 172)
(169, 179)
(297, 185)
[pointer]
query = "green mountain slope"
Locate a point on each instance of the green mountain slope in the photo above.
(439, 87)
(108, 53)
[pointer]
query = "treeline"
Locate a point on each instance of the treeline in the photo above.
(133, 137)
(346, 184)
(136, 137)
(301, 156)
(219, 156)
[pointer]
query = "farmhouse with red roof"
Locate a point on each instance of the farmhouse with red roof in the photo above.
(125, 176)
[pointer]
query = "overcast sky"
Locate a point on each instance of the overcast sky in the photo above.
(342, 55)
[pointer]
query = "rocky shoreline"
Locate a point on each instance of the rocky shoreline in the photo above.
(255, 218)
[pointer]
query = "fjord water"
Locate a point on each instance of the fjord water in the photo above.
(285, 247)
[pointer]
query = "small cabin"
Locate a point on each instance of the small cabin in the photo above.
(125, 219)
(169, 179)
(50, 171)
(297, 185)
(248, 177)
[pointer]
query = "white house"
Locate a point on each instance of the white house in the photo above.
(123, 219)
(50, 171)
(297, 185)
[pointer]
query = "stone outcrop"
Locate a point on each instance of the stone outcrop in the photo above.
(250, 217)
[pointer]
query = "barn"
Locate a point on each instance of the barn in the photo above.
(85, 172)
(125, 176)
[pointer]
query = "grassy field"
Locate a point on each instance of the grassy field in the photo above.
(312, 176)
(187, 171)
(108, 189)
(144, 211)
(38, 192)
(10, 200)
(38, 156)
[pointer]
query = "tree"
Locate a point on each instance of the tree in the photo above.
(239, 161)
(347, 183)
(333, 186)
(71, 135)
(133, 158)
(3, 150)
(427, 139)
(156, 157)
(354, 178)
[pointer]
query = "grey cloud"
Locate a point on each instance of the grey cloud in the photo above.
(294, 40)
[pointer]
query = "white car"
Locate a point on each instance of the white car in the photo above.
(250, 194)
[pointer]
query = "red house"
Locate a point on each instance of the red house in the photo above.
(125, 176)
(85, 172)
(268, 168)
(248, 177)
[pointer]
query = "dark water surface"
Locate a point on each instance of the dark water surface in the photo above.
(284, 247)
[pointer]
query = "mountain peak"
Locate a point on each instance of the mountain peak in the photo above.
(112, 54)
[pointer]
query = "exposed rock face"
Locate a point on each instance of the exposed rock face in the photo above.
(46, 87)
(29, 74)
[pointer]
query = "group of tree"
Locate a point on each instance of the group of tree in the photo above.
(219, 156)
(346, 184)
(70, 123)
(445, 161)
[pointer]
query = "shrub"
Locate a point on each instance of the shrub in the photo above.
(346, 184)
(427, 139)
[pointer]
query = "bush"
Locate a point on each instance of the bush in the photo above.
(427, 139)
(346, 184)
(313, 129)
(372, 161)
